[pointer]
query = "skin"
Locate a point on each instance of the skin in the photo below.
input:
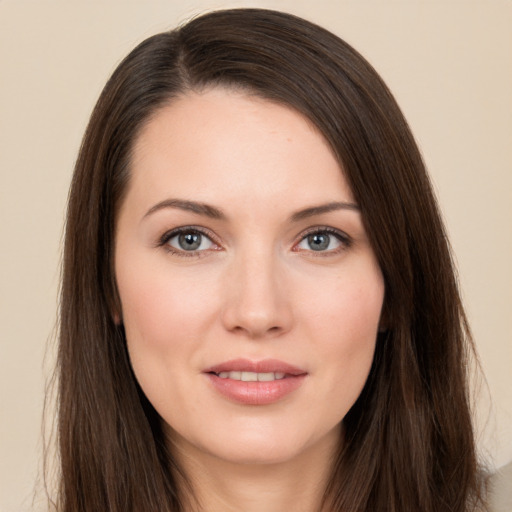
(254, 289)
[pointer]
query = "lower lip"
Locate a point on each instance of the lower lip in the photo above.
(256, 393)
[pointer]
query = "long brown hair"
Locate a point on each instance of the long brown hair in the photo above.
(409, 440)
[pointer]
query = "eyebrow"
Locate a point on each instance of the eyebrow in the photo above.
(189, 206)
(323, 208)
(215, 213)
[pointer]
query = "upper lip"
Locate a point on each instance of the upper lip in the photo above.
(262, 366)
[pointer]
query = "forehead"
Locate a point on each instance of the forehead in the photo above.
(222, 145)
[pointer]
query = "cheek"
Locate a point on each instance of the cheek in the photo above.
(344, 321)
(346, 309)
(164, 314)
(160, 307)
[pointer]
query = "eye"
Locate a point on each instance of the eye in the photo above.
(187, 240)
(323, 240)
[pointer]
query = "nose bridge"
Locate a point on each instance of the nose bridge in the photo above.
(256, 301)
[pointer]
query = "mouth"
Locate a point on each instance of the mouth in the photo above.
(251, 376)
(265, 367)
(255, 382)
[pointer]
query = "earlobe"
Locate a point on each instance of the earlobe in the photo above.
(116, 314)
(115, 306)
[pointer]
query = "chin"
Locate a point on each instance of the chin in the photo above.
(257, 445)
(263, 452)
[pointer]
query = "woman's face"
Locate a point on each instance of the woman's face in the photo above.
(250, 294)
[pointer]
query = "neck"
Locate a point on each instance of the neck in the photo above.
(218, 485)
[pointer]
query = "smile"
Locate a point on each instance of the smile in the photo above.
(255, 382)
(252, 376)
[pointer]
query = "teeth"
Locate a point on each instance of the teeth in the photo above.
(252, 376)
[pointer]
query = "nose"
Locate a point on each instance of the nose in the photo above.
(257, 303)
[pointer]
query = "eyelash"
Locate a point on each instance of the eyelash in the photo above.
(342, 237)
(168, 235)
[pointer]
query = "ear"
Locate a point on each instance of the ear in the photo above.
(114, 305)
(115, 311)
(117, 318)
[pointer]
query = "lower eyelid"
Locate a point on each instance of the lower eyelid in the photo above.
(203, 238)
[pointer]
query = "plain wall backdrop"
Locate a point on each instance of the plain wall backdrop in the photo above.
(449, 64)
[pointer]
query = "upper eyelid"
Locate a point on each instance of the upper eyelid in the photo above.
(171, 233)
(323, 229)
(344, 239)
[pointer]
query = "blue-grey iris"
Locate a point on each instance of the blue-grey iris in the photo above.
(319, 241)
(189, 241)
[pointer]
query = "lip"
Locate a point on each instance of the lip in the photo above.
(263, 366)
(256, 393)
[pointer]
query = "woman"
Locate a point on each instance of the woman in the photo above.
(259, 309)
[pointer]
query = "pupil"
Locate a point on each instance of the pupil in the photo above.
(318, 242)
(190, 241)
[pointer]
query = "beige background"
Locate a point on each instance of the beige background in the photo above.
(449, 64)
